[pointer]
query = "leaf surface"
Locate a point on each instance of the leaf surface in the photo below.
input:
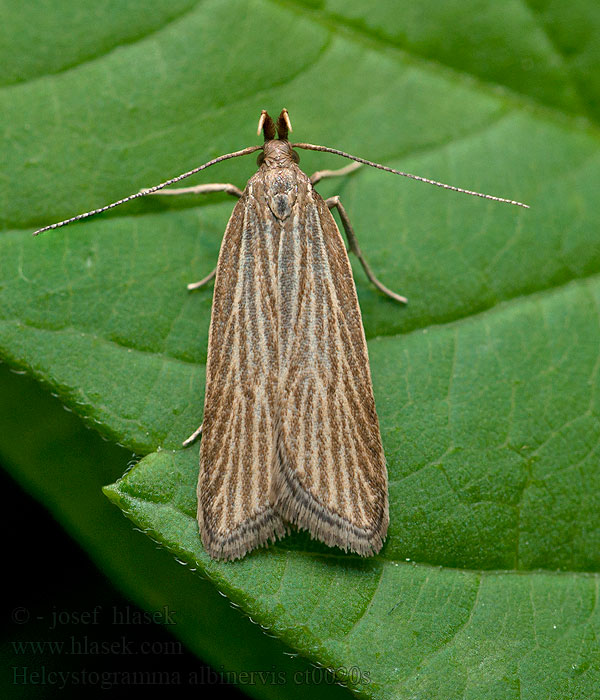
(486, 384)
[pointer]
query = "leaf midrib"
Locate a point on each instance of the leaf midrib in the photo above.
(454, 322)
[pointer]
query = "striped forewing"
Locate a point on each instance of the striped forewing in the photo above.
(331, 474)
(290, 432)
(238, 448)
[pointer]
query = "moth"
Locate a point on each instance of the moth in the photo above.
(290, 434)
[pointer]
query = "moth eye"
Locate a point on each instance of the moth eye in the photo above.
(261, 158)
(295, 157)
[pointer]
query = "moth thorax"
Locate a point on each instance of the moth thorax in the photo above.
(281, 189)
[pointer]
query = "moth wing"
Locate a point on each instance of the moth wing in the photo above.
(237, 451)
(332, 477)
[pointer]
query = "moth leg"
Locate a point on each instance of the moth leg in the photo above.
(322, 174)
(202, 282)
(193, 437)
(204, 189)
(354, 247)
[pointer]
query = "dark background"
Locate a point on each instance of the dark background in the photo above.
(46, 573)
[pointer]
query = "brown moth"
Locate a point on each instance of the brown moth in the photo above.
(290, 433)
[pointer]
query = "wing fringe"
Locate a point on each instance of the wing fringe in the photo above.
(266, 527)
(298, 506)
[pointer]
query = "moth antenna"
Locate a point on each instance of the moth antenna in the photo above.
(284, 124)
(150, 190)
(266, 125)
(326, 149)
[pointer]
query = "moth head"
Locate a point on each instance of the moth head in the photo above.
(276, 147)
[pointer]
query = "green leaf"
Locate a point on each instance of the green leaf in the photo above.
(486, 384)
(44, 448)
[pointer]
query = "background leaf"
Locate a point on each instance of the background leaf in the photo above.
(64, 465)
(486, 384)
